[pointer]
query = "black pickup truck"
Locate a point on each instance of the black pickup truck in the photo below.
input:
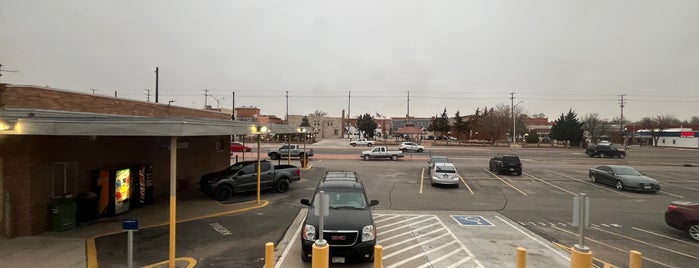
(242, 177)
(604, 151)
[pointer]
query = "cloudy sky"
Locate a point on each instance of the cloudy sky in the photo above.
(371, 55)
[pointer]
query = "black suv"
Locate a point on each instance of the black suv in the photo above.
(604, 151)
(349, 227)
(506, 163)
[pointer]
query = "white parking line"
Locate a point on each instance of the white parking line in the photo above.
(404, 233)
(420, 255)
(646, 243)
(665, 236)
(555, 186)
(414, 238)
(413, 246)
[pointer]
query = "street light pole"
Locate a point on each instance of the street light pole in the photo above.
(258, 131)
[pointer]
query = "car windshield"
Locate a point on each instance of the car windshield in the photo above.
(438, 159)
(510, 159)
(445, 169)
(344, 200)
(626, 171)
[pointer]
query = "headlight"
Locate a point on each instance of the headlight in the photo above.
(368, 233)
(309, 232)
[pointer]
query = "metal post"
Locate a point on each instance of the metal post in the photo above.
(521, 257)
(378, 256)
(635, 259)
(258, 168)
(582, 212)
(305, 158)
(129, 249)
(288, 149)
(269, 255)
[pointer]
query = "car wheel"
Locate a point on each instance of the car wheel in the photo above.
(274, 156)
(622, 155)
(602, 155)
(419, 150)
(518, 173)
(693, 231)
(305, 258)
(223, 193)
(354, 145)
(394, 157)
(367, 157)
(593, 179)
(282, 186)
(368, 145)
(619, 185)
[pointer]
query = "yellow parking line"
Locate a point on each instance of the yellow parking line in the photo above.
(505, 182)
(462, 180)
(191, 263)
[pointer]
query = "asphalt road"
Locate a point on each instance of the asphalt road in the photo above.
(539, 200)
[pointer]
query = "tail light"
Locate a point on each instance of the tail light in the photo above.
(298, 172)
(671, 207)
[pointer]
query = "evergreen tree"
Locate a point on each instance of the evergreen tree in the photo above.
(460, 125)
(568, 128)
(367, 125)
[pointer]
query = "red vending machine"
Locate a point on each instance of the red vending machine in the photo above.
(142, 185)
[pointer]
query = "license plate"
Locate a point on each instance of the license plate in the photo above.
(647, 187)
(337, 259)
(512, 169)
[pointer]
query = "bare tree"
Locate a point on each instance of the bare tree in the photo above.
(657, 125)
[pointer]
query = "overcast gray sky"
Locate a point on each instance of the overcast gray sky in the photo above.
(459, 55)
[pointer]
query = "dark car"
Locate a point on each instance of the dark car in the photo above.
(623, 178)
(684, 215)
(506, 163)
(436, 159)
(604, 151)
(243, 176)
(349, 226)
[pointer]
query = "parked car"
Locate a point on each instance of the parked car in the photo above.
(242, 177)
(239, 147)
(362, 142)
(411, 147)
(349, 227)
(436, 159)
(684, 216)
(380, 152)
(623, 178)
(289, 149)
(604, 151)
(445, 174)
(506, 163)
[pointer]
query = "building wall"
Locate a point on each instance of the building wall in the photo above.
(29, 177)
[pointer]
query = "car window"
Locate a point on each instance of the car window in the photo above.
(626, 171)
(445, 169)
(265, 166)
(249, 169)
(605, 168)
(346, 199)
(511, 159)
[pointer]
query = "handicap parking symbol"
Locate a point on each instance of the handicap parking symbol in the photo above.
(471, 220)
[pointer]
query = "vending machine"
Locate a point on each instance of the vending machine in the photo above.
(142, 186)
(114, 191)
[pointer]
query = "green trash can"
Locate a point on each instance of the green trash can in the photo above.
(62, 212)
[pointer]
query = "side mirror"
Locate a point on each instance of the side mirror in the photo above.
(373, 203)
(241, 173)
(306, 202)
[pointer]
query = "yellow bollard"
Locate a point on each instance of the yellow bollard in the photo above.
(580, 259)
(521, 257)
(269, 255)
(378, 256)
(635, 259)
(320, 256)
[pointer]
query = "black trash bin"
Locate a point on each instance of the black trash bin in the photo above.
(62, 212)
(87, 207)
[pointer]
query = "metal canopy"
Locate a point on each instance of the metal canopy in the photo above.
(60, 123)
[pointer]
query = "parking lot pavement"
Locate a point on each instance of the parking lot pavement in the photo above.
(441, 239)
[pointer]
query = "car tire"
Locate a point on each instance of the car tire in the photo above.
(367, 157)
(394, 157)
(274, 156)
(619, 185)
(369, 145)
(518, 173)
(223, 193)
(693, 231)
(419, 150)
(593, 179)
(304, 258)
(354, 145)
(622, 155)
(281, 186)
(602, 155)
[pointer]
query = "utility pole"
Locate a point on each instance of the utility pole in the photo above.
(147, 95)
(156, 85)
(286, 118)
(93, 91)
(622, 102)
(407, 115)
(512, 101)
(349, 98)
(233, 105)
(206, 97)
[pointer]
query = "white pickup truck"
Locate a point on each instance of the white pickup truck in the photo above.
(362, 142)
(381, 152)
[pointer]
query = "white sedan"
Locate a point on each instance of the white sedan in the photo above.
(411, 146)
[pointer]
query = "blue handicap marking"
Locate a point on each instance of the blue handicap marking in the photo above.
(471, 220)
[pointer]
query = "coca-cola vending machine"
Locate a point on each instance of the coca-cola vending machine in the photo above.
(142, 185)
